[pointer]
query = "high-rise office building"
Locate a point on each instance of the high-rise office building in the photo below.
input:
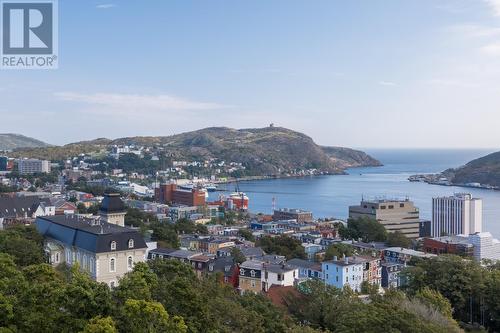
(457, 214)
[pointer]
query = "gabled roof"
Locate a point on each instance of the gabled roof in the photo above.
(88, 234)
(301, 263)
(19, 207)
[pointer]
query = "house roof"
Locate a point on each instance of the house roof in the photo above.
(90, 234)
(279, 268)
(20, 206)
(251, 264)
(302, 263)
(252, 251)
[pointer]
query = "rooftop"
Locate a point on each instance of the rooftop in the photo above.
(112, 203)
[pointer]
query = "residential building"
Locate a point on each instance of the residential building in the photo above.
(312, 250)
(390, 274)
(30, 166)
(62, 206)
(403, 256)
(105, 251)
(307, 269)
(343, 272)
(113, 209)
(394, 215)
(23, 210)
(448, 244)
(457, 214)
(300, 216)
(250, 276)
(372, 272)
(278, 275)
(212, 245)
(228, 268)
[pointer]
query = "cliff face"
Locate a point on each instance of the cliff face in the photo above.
(484, 170)
(263, 151)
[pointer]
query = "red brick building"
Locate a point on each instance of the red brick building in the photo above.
(169, 193)
(449, 245)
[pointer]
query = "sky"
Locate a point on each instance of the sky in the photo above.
(380, 74)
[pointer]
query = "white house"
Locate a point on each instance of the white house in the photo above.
(278, 275)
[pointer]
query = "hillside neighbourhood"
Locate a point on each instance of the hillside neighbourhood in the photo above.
(108, 216)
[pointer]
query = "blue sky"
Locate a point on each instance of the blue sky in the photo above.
(385, 73)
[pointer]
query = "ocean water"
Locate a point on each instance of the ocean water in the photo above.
(330, 196)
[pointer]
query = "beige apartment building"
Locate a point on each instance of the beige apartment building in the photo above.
(394, 215)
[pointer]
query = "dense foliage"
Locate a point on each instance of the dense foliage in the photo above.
(327, 308)
(473, 290)
(364, 228)
(282, 245)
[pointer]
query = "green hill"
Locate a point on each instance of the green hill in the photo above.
(264, 151)
(484, 170)
(9, 141)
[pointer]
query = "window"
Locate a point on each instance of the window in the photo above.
(252, 273)
(382, 207)
(112, 265)
(280, 277)
(112, 284)
(253, 283)
(391, 206)
(113, 246)
(57, 257)
(242, 271)
(130, 262)
(401, 205)
(130, 243)
(92, 265)
(336, 279)
(84, 264)
(211, 267)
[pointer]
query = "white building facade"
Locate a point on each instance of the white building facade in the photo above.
(457, 214)
(31, 166)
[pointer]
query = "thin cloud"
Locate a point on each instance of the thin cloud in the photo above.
(451, 83)
(387, 83)
(474, 30)
(137, 102)
(492, 49)
(105, 6)
(494, 5)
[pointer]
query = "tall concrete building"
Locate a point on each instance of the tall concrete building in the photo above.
(457, 214)
(30, 165)
(394, 215)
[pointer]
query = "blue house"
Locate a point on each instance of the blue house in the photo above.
(343, 272)
(307, 269)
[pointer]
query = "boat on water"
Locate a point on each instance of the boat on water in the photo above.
(210, 187)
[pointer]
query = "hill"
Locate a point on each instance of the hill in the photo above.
(264, 151)
(9, 141)
(484, 170)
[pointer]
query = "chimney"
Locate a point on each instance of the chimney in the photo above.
(335, 258)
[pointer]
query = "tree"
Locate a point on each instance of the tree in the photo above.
(433, 298)
(237, 255)
(100, 325)
(398, 239)
(282, 245)
(141, 316)
(338, 250)
(369, 230)
(247, 234)
(24, 243)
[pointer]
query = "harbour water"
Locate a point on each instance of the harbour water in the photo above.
(330, 196)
